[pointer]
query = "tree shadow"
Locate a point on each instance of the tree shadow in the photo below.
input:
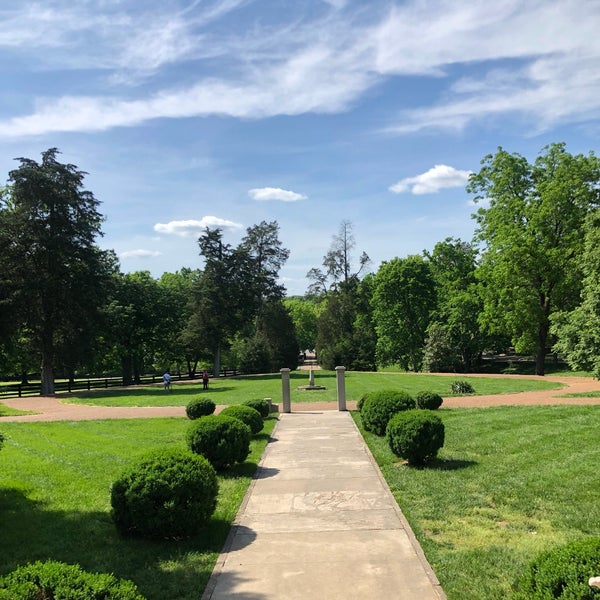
(450, 464)
(162, 569)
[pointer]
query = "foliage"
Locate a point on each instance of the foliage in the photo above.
(531, 232)
(252, 355)
(440, 354)
(54, 277)
(262, 406)
(460, 386)
(428, 400)
(416, 435)
(199, 407)
(169, 493)
(247, 415)
(563, 572)
(221, 439)
(403, 301)
(304, 313)
(379, 407)
(52, 579)
(578, 331)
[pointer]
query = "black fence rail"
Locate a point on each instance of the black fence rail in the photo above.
(22, 390)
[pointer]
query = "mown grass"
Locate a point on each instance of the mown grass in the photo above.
(55, 481)
(7, 411)
(234, 390)
(509, 483)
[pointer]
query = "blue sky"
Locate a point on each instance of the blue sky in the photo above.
(229, 112)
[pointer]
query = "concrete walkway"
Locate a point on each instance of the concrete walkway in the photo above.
(319, 521)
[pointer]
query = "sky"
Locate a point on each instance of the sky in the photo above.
(226, 113)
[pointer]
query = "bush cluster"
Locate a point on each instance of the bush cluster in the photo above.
(169, 493)
(415, 435)
(379, 407)
(563, 572)
(221, 439)
(199, 407)
(428, 400)
(261, 406)
(461, 387)
(51, 579)
(247, 415)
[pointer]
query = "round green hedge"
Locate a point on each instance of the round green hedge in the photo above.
(52, 579)
(428, 400)
(247, 415)
(169, 493)
(221, 439)
(415, 435)
(261, 406)
(563, 573)
(379, 407)
(199, 407)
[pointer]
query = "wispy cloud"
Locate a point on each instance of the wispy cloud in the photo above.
(270, 193)
(194, 227)
(545, 70)
(140, 254)
(435, 179)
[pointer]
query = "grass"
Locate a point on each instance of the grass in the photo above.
(595, 394)
(55, 502)
(235, 390)
(509, 483)
(7, 411)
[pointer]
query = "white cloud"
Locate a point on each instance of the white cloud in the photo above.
(194, 227)
(140, 254)
(435, 179)
(270, 193)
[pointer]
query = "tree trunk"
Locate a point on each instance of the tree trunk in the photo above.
(47, 375)
(540, 357)
(217, 362)
(127, 368)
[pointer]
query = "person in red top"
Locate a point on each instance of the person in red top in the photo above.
(204, 380)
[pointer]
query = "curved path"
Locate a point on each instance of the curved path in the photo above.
(58, 409)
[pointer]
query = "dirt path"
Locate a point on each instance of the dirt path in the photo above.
(53, 409)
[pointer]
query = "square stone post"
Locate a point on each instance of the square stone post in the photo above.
(341, 387)
(285, 390)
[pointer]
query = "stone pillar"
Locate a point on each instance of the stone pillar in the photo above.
(285, 390)
(341, 387)
(311, 378)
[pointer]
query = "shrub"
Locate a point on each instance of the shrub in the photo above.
(51, 579)
(563, 572)
(169, 493)
(461, 387)
(262, 406)
(199, 407)
(247, 415)
(415, 435)
(360, 403)
(379, 407)
(221, 439)
(428, 400)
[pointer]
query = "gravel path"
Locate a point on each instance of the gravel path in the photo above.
(56, 409)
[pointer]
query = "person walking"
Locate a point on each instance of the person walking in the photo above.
(204, 380)
(167, 381)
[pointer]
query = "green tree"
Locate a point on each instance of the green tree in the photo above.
(404, 299)
(578, 331)
(54, 277)
(530, 235)
(305, 313)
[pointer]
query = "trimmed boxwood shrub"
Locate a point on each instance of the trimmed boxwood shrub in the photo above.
(51, 579)
(262, 406)
(360, 403)
(563, 572)
(169, 493)
(461, 387)
(415, 435)
(246, 414)
(379, 407)
(221, 439)
(199, 407)
(428, 400)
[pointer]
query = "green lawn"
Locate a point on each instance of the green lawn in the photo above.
(55, 483)
(7, 411)
(235, 390)
(509, 483)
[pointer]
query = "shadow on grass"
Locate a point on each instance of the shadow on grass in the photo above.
(162, 570)
(449, 464)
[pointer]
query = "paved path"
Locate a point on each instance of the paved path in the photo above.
(319, 521)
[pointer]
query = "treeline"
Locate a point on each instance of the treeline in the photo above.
(528, 279)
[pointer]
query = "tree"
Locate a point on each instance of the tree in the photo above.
(304, 313)
(403, 301)
(578, 331)
(530, 235)
(54, 277)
